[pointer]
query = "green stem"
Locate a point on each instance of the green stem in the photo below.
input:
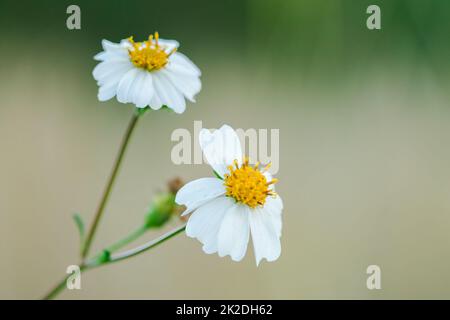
(128, 239)
(146, 246)
(109, 185)
(94, 263)
(57, 289)
(60, 286)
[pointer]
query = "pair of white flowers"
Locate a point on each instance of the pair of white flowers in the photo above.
(225, 210)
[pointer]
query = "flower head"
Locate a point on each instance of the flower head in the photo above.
(248, 185)
(148, 73)
(240, 202)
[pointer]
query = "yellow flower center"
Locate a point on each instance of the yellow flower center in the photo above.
(247, 184)
(149, 54)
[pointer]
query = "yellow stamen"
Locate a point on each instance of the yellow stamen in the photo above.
(148, 54)
(248, 185)
(267, 167)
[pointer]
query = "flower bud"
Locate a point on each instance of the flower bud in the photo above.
(163, 206)
(160, 210)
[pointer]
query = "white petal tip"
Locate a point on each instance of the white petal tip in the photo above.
(155, 107)
(237, 259)
(102, 99)
(98, 56)
(208, 250)
(189, 234)
(268, 259)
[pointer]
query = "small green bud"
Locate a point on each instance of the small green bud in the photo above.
(160, 210)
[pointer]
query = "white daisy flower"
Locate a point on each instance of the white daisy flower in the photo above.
(149, 73)
(228, 209)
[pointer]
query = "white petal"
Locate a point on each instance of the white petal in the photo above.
(269, 178)
(188, 85)
(168, 45)
(198, 192)
(125, 86)
(104, 55)
(274, 208)
(155, 103)
(266, 242)
(221, 148)
(110, 46)
(274, 205)
(115, 77)
(112, 50)
(108, 85)
(168, 94)
(110, 55)
(104, 70)
(134, 94)
(205, 222)
(144, 91)
(181, 64)
(234, 232)
(107, 91)
(126, 44)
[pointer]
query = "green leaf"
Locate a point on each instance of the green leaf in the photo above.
(80, 225)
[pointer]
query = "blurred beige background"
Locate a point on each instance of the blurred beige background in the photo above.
(364, 162)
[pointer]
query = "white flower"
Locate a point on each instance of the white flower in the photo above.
(149, 73)
(227, 210)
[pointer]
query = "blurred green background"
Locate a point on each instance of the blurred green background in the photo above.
(364, 145)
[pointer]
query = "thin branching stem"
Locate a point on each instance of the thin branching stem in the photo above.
(95, 263)
(109, 185)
